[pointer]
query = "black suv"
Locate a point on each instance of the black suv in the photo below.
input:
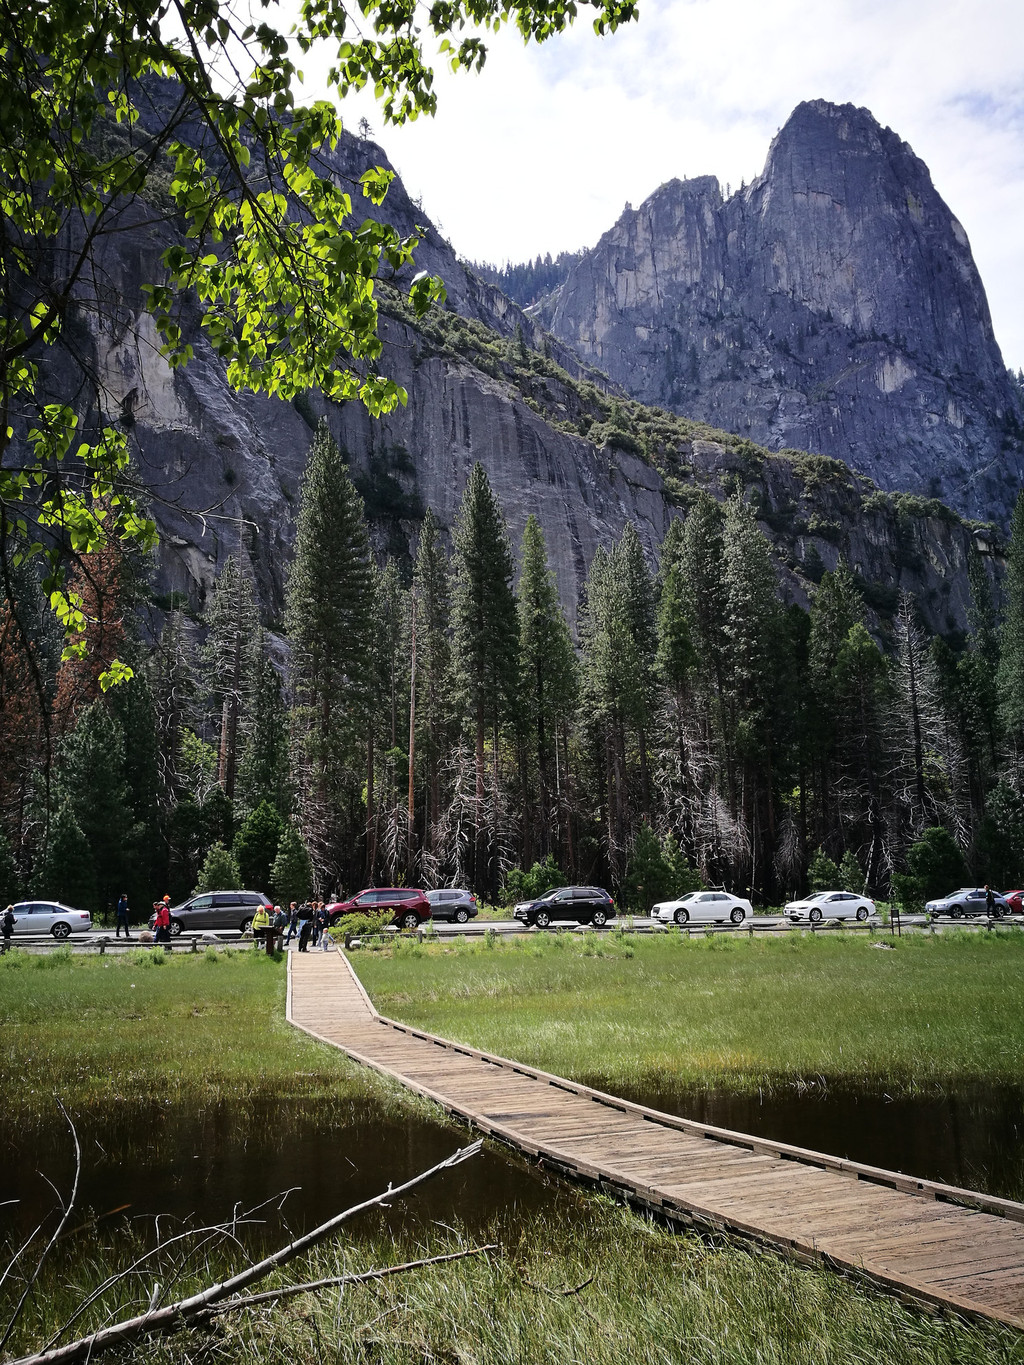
(216, 910)
(584, 904)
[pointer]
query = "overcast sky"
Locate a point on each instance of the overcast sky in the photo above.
(542, 150)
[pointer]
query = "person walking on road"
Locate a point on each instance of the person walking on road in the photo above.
(121, 916)
(990, 901)
(7, 925)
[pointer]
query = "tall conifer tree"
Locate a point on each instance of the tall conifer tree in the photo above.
(329, 603)
(485, 646)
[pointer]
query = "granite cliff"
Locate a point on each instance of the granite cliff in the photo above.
(485, 383)
(832, 305)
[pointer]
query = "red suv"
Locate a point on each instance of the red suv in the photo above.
(409, 906)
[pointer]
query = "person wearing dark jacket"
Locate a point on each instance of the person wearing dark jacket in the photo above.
(121, 916)
(7, 925)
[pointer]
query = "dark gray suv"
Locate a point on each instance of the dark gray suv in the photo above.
(216, 910)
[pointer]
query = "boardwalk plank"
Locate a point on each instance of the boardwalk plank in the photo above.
(888, 1226)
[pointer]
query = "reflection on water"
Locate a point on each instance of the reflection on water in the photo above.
(203, 1163)
(972, 1137)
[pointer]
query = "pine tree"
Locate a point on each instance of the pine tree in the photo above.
(263, 765)
(291, 877)
(485, 649)
(549, 673)
(219, 872)
(1010, 677)
(228, 659)
(386, 685)
(836, 608)
(864, 700)
(329, 601)
(676, 663)
(754, 632)
(851, 877)
(432, 596)
(10, 882)
(92, 783)
(255, 846)
(66, 871)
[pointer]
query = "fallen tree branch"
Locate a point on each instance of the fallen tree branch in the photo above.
(357, 1277)
(177, 1315)
(60, 1228)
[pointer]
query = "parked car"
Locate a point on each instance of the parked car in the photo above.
(407, 904)
(584, 904)
(1015, 900)
(50, 917)
(216, 910)
(829, 905)
(452, 903)
(969, 900)
(703, 907)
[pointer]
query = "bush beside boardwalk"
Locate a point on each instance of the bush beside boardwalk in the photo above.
(189, 1029)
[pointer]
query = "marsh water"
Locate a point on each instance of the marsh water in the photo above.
(144, 1160)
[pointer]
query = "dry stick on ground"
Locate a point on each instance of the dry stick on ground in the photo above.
(178, 1315)
(357, 1277)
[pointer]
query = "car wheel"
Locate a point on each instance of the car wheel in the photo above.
(461, 916)
(411, 920)
(542, 919)
(599, 919)
(246, 925)
(956, 912)
(176, 927)
(862, 913)
(736, 914)
(681, 916)
(61, 930)
(815, 915)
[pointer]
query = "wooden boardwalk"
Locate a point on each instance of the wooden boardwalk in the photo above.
(921, 1240)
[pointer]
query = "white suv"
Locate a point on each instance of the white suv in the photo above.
(704, 907)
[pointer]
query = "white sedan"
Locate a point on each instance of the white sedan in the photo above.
(830, 905)
(703, 907)
(50, 917)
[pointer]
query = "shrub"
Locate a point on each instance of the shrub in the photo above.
(361, 923)
(219, 872)
(851, 878)
(822, 872)
(527, 886)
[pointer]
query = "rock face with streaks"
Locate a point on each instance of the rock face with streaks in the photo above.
(832, 305)
(221, 464)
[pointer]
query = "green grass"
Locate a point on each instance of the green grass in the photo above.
(653, 1298)
(99, 1031)
(106, 1030)
(625, 1010)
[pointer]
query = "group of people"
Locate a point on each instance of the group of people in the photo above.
(310, 920)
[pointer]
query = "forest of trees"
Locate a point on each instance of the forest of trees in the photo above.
(529, 281)
(450, 728)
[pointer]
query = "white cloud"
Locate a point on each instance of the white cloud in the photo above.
(542, 150)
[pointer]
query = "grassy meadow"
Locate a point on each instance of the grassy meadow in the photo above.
(99, 1031)
(622, 1010)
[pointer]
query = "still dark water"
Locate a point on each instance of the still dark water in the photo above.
(202, 1164)
(973, 1137)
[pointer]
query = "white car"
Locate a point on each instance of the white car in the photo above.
(830, 905)
(50, 917)
(703, 907)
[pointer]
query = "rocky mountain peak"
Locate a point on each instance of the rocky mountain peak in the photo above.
(832, 305)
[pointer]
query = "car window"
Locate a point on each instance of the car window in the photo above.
(226, 898)
(367, 898)
(201, 903)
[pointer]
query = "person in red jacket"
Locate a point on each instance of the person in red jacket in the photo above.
(162, 923)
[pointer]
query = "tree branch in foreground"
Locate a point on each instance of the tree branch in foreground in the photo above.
(178, 1315)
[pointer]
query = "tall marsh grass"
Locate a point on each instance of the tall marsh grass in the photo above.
(624, 1010)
